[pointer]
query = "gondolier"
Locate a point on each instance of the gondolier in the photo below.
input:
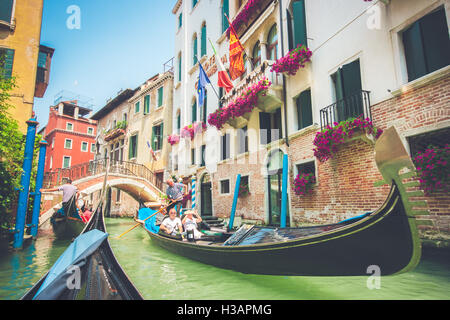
(70, 196)
(175, 192)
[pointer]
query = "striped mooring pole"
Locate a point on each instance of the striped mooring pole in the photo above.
(193, 192)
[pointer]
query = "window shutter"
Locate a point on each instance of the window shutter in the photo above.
(153, 138)
(304, 109)
(160, 96)
(147, 104)
(161, 137)
(225, 10)
(130, 149)
(7, 61)
(298, 9)
(195, 50)
(6, 7)
(194, 112)
(414, 54)
(179, 68)
(289, 30)
(203, 42)
(351, 74)
(436, 42)
(264, 126)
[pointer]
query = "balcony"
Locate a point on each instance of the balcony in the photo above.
(268, 103)
(43, 70)
(248, 14)
(355, 105)
(117, 132)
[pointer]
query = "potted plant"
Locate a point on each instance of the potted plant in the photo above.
(303, 183)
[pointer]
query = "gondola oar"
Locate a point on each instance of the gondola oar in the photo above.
(138, 224)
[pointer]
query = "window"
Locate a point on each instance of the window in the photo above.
(93, 148)
(203, 41)
(297, 25)
(225, 11)
(69, 126)
(137, 106)
(304, 109)
(347, 85)
(225, 186)
(180, 20)
(194, 111)
(307, 167)
(178, 121)
(160, 96)
(132, 152)
(270, 126)
(421, 142)
(272, 43)
(243, 140)
(225, 147)
(194, 49)
(90, 131)
(68, 144)
(147, 104)
(256, 55)
(157, 137)
(117, 195)
(179, 67)
(192, 156)
(427, 45)
(66, 162)
(202, 160)
(84, 146)
(6, 9)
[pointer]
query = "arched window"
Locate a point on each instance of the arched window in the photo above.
(203, 41)
(194, 48)
(272, 43)
(296, 20)
(256, 53)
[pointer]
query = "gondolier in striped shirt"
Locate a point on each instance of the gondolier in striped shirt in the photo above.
(175, 192)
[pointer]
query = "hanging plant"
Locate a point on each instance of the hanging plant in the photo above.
(327, 141)
(173, 139)
(293, 61)
(191, 130)
(303, 183)
(433, 167)
(243, 104)
(244, 190)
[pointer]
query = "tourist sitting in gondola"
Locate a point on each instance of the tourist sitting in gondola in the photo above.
(172, 225)
(190, 223)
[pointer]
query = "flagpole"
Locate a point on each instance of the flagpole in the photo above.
(210, 81)
(231, 26)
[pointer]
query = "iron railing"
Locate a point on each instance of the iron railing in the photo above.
(355, 105)
(96, 167)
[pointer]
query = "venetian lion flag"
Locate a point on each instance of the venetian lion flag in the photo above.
(224, 79)
(237, 67)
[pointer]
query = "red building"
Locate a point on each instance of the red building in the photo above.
(70, 136)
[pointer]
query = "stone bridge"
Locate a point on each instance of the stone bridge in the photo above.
(133, 178)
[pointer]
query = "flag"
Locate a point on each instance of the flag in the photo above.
(203, 80)
(152, 152)
(237, 67)
(224, 79)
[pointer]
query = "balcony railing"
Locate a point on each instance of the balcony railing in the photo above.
(353, 106)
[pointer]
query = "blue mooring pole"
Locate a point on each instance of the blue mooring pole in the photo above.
(233, 208)
(284, 191)
(37, 191)
(25, 183)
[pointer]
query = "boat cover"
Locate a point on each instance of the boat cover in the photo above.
(75, 255)
(150, 224)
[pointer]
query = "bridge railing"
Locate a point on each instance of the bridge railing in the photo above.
(96, 167)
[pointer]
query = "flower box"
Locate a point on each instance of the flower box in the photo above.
(293, 61)
(303, 183)
(191, 130)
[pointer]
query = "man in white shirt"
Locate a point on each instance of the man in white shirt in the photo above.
(172, 224)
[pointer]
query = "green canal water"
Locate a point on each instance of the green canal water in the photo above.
(159, 274)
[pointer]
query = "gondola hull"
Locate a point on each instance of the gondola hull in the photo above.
(383, 239)
(67, 228)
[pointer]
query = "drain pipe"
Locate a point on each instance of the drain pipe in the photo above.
(286, 138)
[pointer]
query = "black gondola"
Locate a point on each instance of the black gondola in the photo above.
(102, 276)
(386, 238)
(67, 225)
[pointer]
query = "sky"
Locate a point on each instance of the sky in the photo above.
(119, 45)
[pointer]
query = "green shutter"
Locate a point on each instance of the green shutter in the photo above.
(194, 112)
(194, 2)
(351, 75)
(436, 41)
(136, 146)
(130, 148)
(180, 20)
(179, 68)
(6, 62)
(304, 109)
(160, 96)
(195, 50)
(298, 9)
(339, 93)
(203, 42)
(6, 7)
(137, 107)
(147, 104)
(414, 54)
(225, 10)
(289, 30)
(179, 122)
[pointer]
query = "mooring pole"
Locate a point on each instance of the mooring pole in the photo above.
(193, 192)
(25, 184)
(233, 208)
(37, 191)
(284, 191)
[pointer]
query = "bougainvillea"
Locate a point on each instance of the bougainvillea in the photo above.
(241, 105)
(328, 140)
(293, 61)
(303, 183)
(173, 139)
(191, 130)
(433, 167)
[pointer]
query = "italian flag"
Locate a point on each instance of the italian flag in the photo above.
(224, 79)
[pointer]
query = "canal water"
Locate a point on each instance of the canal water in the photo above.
(159, 274)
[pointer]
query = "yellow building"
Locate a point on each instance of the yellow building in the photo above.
(22, 56)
